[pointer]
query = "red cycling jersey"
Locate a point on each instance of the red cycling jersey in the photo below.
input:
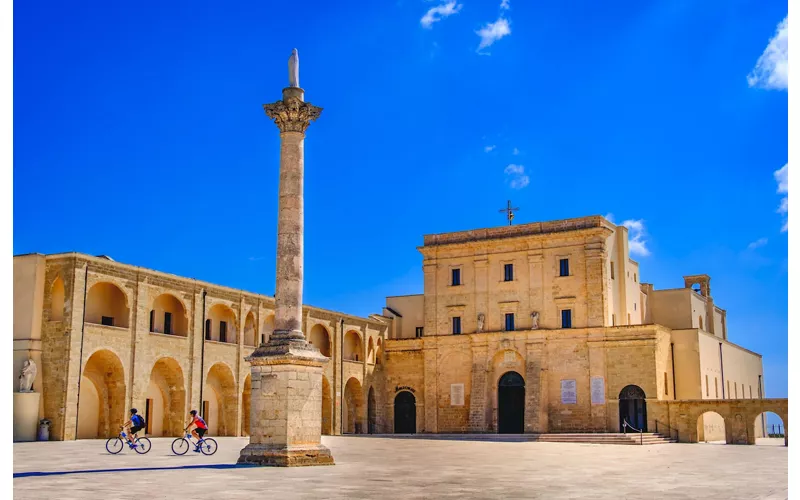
(199, 422)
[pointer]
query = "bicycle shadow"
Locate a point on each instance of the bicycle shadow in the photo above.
(131, 469)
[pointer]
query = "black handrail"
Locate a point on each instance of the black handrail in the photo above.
(670, 429)
(625, 424)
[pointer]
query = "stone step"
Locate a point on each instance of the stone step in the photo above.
(647, 438)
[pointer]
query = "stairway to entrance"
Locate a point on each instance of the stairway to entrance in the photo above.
(586, 438)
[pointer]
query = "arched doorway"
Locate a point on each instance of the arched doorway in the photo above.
(770, 429)
(511, 404)
(246, 407)
(371, 411)
(711, 428)
(327, 408)
(165, 406)
(632, 408)
(220, 400)
(102, 396)
(353, 408)
(405, 413)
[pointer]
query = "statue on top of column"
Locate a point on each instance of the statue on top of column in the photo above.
(294, 69)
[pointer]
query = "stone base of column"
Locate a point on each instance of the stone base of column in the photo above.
(285, 456)
(286, 405)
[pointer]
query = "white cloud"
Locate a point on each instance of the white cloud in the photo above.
(758, 243)
(772, 68)
(489, 149)
(493, 32)
(782, 178)
(637, 244)
(438, 13)
(516, 174)
(505, 4)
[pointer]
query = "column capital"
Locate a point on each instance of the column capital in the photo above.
(292, 114)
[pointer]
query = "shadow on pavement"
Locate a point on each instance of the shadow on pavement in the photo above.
(132, 469)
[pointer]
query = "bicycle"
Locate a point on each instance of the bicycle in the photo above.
(114, 445)
(181, 445)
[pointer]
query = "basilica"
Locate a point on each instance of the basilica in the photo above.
(536, 328)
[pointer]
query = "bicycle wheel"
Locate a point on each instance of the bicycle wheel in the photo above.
(114, 445)
(209, 446)
(143, 445)
(180, 446)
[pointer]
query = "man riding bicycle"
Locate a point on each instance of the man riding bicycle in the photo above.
(133, 426)
(198, 426)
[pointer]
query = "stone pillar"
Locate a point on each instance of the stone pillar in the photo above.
(533, 389)
(286, 372)
(477, 396)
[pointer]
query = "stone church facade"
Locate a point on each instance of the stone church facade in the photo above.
(533, 328)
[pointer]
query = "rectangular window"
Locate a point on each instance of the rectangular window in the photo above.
(418, 332)
(152, 321)
(168, 323)
(208, 329)
(612, 270)
(456, 277)
(629, 318)
(563, 265)
(508, 272)
(706, 385)
(566, 318)
(509, 322)
(223, 331)
(716, 388)
(107, 321)
(666, 386)
(457, 325)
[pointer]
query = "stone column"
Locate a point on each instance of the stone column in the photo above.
(286, 372)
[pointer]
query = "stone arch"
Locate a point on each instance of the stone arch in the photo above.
(504, 360)
(165, 410)
(250, 330)
(267, 328)
(370, 351)
(765, 428)
(101, 406)
(632, 408)
(405, 413)
(222, 322)
(107, 304)
(511, 403)
(168, 316)
(378, 351)
(353, 346)
(246, 391)
(711, 428)
(57, 295)
(372, 420)
(327, 407)
(320, 339)
(221, 400)
(353, 407)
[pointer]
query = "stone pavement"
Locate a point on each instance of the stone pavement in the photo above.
(386, 468)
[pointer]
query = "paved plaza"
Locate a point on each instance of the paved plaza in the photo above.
(385, 467)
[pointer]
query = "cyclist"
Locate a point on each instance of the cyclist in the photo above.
(199, 428)
(133, 426)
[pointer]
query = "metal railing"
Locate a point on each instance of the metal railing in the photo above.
(668, 429)
(626, 425)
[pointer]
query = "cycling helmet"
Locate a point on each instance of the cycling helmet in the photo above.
(193, 412)
(134, 410)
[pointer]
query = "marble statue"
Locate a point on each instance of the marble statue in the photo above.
(534, 320)
(294, 69)
(27, 376)
(481, 318)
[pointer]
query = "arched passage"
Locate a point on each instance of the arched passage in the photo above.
(267, 328)
(220, 401)
(107, 304)
(405, 413)
(246, 406)
(378, 352)
(353, 407)
(221, 324)
(319, 338)
(711, 428)
(371, 417)
(769, 429)
(632, 408)
(57, 300)
(168, 316)
(353, 347)
(511, 404)
(370, 351)
(250, 331)
(327, 408)
(101, 402)
(165, 407)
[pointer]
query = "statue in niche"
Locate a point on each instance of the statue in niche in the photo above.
(481, 319)
(534, 320)
(27, 376)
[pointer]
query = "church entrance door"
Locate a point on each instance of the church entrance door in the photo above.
(632, 408)
(511, 404)
(405, 413)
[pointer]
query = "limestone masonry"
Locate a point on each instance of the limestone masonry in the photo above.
(532, 328)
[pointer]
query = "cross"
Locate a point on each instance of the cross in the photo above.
(509, 212)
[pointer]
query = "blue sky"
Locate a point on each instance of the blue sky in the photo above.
(139, 133)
